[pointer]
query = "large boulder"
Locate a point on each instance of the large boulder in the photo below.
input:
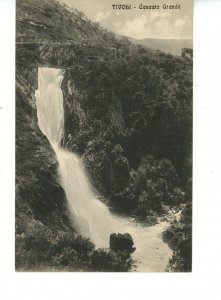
(122, 242)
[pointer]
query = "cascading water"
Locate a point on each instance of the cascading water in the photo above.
(91, 217)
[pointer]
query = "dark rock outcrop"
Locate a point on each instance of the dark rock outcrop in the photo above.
(122, 242)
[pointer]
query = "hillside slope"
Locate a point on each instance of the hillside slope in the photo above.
(47, 21)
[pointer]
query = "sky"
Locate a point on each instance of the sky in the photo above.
(140, 23)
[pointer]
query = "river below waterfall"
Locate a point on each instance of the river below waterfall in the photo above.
(151, 254)
(91, 217)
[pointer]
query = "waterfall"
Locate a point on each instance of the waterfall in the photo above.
(91, 217)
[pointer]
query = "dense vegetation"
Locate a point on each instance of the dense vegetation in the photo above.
(128, 112)
(179, 237)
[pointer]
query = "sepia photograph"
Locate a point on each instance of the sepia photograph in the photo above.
(104, 97)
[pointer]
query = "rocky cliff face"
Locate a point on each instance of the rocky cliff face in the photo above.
(37, 183)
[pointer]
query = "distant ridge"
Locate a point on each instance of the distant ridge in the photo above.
(173, 46)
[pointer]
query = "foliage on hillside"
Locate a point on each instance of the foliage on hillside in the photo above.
(41, 248)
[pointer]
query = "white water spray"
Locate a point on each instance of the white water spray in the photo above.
(91, 217)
